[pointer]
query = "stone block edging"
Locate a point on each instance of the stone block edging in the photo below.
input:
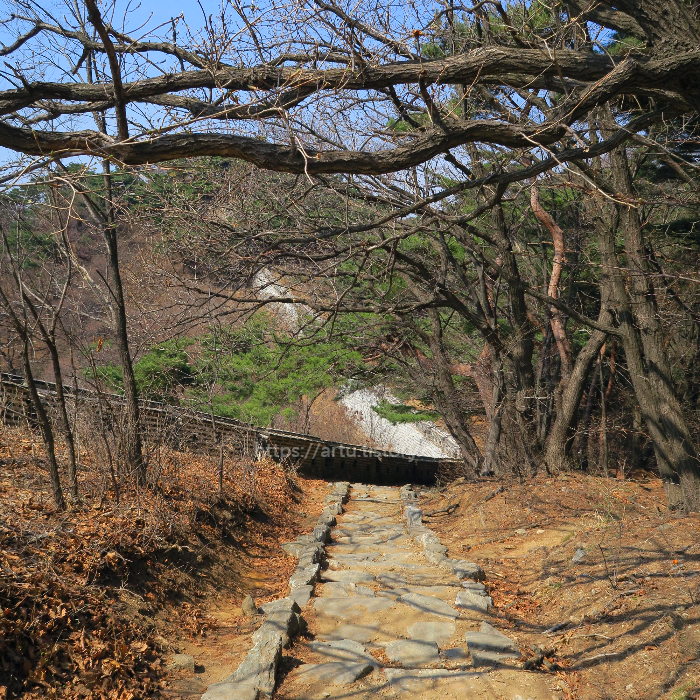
(256, 677)
(436, 553)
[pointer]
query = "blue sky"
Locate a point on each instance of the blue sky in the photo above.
(158, 10)
(164, 10)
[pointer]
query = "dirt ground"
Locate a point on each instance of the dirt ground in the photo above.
(94, 600)
(264, 573)
(602, 563)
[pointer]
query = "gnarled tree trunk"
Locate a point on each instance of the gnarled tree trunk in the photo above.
(446, 398)
(643, 341)
(560, 434)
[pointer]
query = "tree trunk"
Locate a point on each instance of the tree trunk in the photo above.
(556, 319)
(643, 342)
(494, 434)
(637, 441)
(49, 338)
(544, 413)
(521, 351)
(445, 396)
(586, 457)
(65, 421)
(481, 373)
(523, 348)
(44, 426)
(134, 447)
(603, 449)
(560, 434)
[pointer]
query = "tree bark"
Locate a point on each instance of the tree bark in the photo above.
(524, 347)
(521, 351)
(63, 414)
(134, 448)
(586, 456)
(445, 395)
(556, 320)
(494, 434)
(44, 426)
(560, 434)
(643, 342)
(544, 404)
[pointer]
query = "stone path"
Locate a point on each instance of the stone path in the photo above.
(393, 617)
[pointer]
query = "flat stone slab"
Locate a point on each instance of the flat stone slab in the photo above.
(343, 650)
(343, 589)
(310, 554)
(413, 516)
(335, 672)
(438, 632)
(424, 680)
(412, 653)
(356, 538)
(348, 608)
(347, 576)
(429, 604)
(415, 571)
(434, 546)
(395, 556)
(392, 579)
(362, 591)
(231, 690)
(322, 533)
(353, 557)
(474, 587)
(333, 507)
(280, 605)
(357, 632)
(294, 549)
(491, 658)
(435, 591)
(437, 558)
(283, 623)
(473, 601)
(259, 667)
(336, 589)
(360, 517)
(490, 639)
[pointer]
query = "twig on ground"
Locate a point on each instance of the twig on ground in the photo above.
(447, 511)
(500, 489)
(557, 627)
(600, 656)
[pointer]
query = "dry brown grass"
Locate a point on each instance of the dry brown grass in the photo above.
(96, 596)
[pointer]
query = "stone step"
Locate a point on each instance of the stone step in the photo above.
(429, 604)
(342, 650)
(473, 601)
(413, 653)
(489, 639)
(378, 591)
(346, 576)
(335, 672)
